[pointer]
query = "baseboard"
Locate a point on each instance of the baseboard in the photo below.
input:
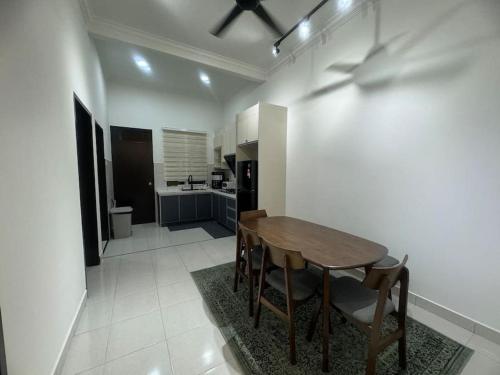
(64, 350)
(454, 317)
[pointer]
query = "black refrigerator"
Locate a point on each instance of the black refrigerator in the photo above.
(247, 188)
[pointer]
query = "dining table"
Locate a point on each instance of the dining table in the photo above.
(325, 247)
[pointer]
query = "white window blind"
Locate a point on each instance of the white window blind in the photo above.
(184, 154)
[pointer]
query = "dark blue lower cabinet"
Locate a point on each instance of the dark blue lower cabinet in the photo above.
(188, 208)
(175, 209)
(169, 210)
(215, 207)
(203, 206)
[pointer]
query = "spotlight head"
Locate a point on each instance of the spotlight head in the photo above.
(276, 51)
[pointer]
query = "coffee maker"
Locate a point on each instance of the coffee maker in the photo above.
(217, 178)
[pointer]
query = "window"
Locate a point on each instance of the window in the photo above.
(184, 154)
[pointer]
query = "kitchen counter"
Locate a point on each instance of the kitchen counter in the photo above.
(177, 191)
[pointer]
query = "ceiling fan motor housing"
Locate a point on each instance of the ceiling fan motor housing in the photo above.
(248, 4)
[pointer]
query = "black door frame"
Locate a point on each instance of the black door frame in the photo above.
(101, 176)
(3, 359)
(86, 176)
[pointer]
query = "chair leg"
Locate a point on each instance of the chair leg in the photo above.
(237, 277)
(262, 281)
(372, 362)
(291, 338)
(250, 292)
(313, 322)
(402, 352)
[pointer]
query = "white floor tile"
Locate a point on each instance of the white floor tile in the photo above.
(176, 293)
(185, 316)
(167, 258)
(196, 351)
(480, 364)
(226, 368)
(194, 257)
(150, 361)
(95, 315)
(95, 371)
(187, 236)
(135, 334)
(86, 351)
(220, 250)
(167, 275)
(135, 305)
(135, 283)
(486, 347)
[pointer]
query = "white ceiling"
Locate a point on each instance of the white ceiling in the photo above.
(168, 73)
(189, 21)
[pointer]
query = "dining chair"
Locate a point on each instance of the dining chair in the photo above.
(387, 261)
(248, 256)
(290, 278)
(366, 305)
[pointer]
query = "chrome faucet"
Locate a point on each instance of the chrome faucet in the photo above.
(190, 181)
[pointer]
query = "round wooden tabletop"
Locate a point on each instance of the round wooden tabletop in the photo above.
(320, 245)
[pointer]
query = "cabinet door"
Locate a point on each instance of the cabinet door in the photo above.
(187, 208)
(231, 214)
(241, 129)
(169, 210)
(215, 207)
(203, 206)
(253, 128)
(222, 211)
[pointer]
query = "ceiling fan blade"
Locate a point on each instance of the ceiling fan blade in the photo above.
(231, 16)
(268, 20)
(343, 67)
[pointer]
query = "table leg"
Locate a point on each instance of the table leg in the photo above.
(326, 316)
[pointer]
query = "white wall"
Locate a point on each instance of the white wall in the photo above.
(412, 162)
(132, 106)
(45, 56)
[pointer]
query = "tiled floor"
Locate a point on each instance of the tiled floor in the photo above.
(151, 236)
(144, 315)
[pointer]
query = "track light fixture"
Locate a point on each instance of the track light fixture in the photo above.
(304, 27)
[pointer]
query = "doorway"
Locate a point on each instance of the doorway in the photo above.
(133, 171)
(86, 175)
(101, 175)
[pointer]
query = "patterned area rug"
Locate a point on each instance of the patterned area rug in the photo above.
(265, 351)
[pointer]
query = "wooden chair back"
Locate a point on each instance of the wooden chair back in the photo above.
(249, 236)
(283, 258)
(250, 215)
(377, 274)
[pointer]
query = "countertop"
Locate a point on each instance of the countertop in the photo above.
(177, 191)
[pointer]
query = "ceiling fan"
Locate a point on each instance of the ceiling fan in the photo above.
(247, 5)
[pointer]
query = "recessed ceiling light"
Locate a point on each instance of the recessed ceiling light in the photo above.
(344, 5)
(142, 64)
(204, 78)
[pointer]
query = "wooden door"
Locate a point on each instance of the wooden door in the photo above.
(133, 171)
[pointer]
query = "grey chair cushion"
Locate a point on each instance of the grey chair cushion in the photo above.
(387, 261)
(304, 283)
(352, 298)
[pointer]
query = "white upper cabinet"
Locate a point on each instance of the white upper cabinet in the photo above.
(229, 142)
(218, 140)
(247, 126)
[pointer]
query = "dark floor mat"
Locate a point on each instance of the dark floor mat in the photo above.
(211, 227)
